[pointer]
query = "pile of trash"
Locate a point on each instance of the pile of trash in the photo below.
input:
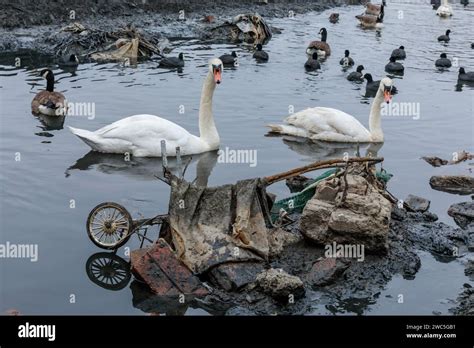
(250, 28)
(126, 43)
(226, 234)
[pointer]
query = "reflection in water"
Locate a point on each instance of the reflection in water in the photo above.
(111, 272)
(108, 271)
(145, 168)
(320, 150)
(149, 302)
(358, 306)
(460, 84)
(51, 122)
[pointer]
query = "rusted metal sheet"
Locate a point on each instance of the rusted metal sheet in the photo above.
(164, 273)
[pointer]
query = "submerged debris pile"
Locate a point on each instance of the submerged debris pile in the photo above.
(95, 44)
(225, 236)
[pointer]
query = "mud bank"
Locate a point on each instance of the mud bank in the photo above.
(35, 25)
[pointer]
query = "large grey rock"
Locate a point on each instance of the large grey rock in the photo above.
(462, 213)
(361, 217)
(280, 285)
(457, 184)
(417, 203)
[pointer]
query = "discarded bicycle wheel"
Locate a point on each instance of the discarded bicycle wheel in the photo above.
(108, 270)
(109, 225)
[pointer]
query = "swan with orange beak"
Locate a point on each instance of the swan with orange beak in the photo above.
(333, 125)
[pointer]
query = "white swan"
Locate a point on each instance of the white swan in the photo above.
(445, 10)
(141, 135)
(328, 124)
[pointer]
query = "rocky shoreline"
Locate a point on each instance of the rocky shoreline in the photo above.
(27, 25)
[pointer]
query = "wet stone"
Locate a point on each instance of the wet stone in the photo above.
(280, 285)
(233, 276)
(326, 271)
(417, 203)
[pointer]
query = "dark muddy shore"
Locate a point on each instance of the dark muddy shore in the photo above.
(34, 25)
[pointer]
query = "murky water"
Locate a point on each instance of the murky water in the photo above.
(55, 166)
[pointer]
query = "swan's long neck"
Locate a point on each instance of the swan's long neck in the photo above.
(375, 123)
(207, 128)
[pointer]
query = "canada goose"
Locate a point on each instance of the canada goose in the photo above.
(394, 67)
(141, 135)
(322, 47)
(172, 62)
(373, 9)
(370, 21)
(465, 76)
(465, 2)
(346, 61)
(472, 45)
(69, 61)
(260, 54)
(443, 61)
(334, 18)
(399, 53)
(372, 86)
(332, 125)
(229, 59)
(312, 63)
(445, 37)
(49, 102)
(356, 75)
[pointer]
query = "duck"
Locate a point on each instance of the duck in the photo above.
(372, 86)
(443, 61)
(322, 47)
(260, 54)
(445, 38)
(356, 75)
(465, 2)
(370, 21)
(312, 63)
(373, 9)
(172, 62)
(394, 67)
(465, 76)
(399, 53)
(334, 18)
(346, 61)
(49, 102)
(444, 10)
(333, 125)
(472, 45)
(141, 135)
(69, 61)
(229, 59)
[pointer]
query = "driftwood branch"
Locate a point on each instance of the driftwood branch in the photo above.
(268, 180)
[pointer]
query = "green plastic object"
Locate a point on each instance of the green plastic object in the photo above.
(297, 202)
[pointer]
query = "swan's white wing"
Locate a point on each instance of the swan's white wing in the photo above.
(145, 132)
(329, 121)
